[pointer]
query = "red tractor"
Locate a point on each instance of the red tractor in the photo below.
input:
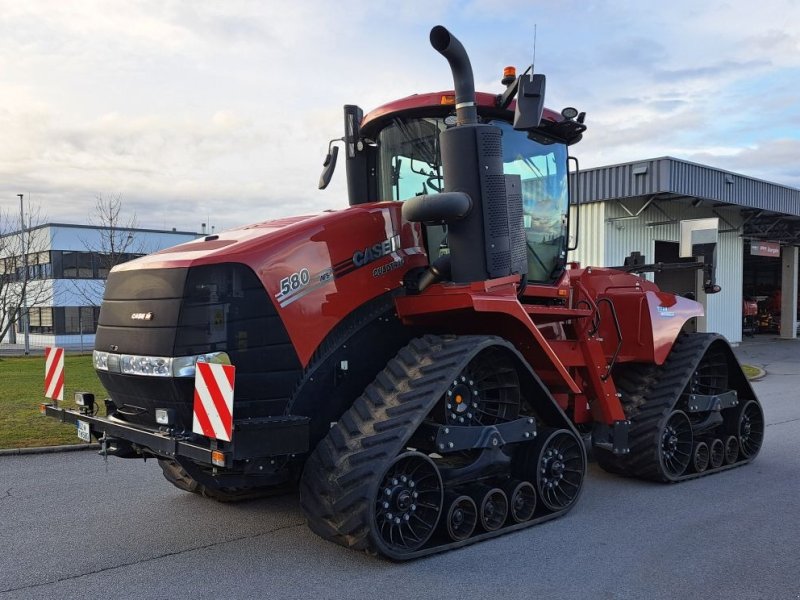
(425, 363)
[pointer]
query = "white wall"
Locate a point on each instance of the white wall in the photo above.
(620, 237)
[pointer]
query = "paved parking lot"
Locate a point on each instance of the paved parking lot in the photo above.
(72, 527)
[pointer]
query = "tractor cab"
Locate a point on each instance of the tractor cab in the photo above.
(394, 154)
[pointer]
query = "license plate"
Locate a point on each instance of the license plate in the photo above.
(83, 431)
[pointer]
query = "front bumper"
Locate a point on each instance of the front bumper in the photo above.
(252, 439)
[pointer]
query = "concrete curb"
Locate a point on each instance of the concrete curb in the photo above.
(48, 449)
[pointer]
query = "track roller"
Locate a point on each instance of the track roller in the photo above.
(493, 507)
(700, 457)
(461, 517)
(731, 449)
(521, 499)
(716, 452)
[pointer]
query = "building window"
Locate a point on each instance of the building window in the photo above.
(41, 319)
(74, 320)
(69, 264)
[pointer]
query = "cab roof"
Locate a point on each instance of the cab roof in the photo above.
(443, 103)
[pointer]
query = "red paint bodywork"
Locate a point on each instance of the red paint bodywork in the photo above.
(568, 332)
(485, 102)
(277, 249)
(559, 340)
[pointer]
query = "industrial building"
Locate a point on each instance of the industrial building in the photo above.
(635, 206)
(639, 205)
(65, 268)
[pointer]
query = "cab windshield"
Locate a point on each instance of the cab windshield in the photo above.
(409, 164)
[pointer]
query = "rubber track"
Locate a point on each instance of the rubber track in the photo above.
(339, 483)
(336, 489)
(649, 394)
(181, 479)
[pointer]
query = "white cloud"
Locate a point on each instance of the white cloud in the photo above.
(223, 111)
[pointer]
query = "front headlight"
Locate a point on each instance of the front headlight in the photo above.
(155, 366)
(100, 360)
(184, 366)
(158, 366)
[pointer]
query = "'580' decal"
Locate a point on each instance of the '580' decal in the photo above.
(300, 283)
(294, 281)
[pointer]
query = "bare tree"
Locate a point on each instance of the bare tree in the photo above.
(116, 242)
(24, 264)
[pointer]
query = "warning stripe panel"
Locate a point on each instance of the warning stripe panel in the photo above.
(54, 373)
(213, 401)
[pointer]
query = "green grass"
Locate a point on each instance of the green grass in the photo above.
(22, 391)
(751, 372)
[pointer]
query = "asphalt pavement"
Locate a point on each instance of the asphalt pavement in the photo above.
(72, 526)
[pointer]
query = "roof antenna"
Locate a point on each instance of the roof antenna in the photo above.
(534, 50)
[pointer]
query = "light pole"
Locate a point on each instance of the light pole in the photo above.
(23, 310)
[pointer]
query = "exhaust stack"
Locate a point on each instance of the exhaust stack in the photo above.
(448, 46)
(481, 206)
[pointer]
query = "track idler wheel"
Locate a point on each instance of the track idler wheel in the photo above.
(408, 502)
(521, 499)
(750, 428)
(716, 453)
(560, 468)
(493, 507)
(700, 457)
(731, 449)
(675, 445)
(461, 518)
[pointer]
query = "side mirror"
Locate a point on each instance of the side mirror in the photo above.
(530, 102)
(328, 166)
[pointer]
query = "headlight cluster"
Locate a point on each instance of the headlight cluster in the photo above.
(155, 366)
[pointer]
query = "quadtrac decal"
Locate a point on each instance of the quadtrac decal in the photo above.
(300, 283)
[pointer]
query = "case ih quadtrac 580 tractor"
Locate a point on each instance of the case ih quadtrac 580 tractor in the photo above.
(425, 362)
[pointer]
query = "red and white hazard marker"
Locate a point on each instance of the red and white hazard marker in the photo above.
(54, 373)
(213, 400)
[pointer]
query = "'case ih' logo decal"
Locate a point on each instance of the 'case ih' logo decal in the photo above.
(376, 251)
(148, 316)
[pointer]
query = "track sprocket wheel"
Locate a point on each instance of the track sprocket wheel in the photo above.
(408, 502)
(675, 444)
(560, 468)
(711, 375)
(486, 392)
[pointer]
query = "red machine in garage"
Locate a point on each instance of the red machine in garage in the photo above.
(425, 362)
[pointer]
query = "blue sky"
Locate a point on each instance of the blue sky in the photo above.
(221, 111)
